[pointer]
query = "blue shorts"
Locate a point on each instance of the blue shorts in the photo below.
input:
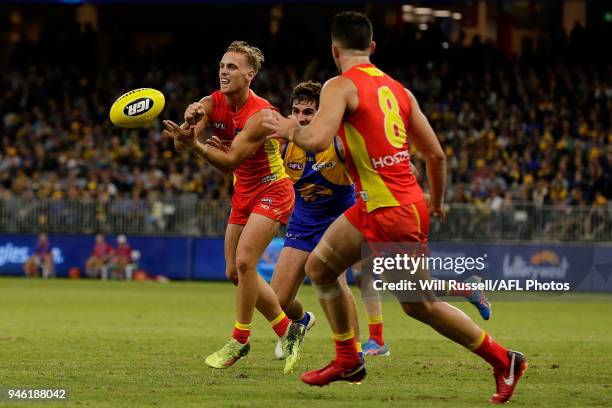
(304, 233)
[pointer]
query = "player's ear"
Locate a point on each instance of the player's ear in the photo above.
(335, 51)
(250, 75)
(372, 47)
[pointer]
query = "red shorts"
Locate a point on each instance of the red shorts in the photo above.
(274, 200)
(406, 223)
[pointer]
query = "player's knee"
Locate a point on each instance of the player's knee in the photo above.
(244, 266)
(316, 271)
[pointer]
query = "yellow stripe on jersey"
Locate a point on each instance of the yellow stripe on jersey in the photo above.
(418, 217)
(372, 71)
(271, 147)
(378, 194)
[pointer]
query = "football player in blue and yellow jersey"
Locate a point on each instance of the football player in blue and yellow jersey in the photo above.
(323, 191)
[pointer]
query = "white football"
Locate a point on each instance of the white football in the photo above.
(137, 108)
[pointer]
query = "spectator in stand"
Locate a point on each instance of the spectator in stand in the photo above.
(41, 260)
(100, 258)
(536, 126)
(122, 258)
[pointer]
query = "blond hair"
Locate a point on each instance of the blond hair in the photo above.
(253, 55)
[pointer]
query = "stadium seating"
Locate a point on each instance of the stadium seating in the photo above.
(519, 134)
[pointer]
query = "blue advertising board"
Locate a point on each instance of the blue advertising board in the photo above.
(208, 259)
(585, 267)
(168, 256)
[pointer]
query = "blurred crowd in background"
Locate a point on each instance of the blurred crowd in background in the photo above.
(515, 130)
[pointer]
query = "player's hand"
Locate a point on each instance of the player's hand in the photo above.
(194, 113)
(281, 127)
(215, 142)
(184, 138)
(438, 212)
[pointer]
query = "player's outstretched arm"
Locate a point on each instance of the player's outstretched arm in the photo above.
(425, 140)
(319, 134)
(244, 144)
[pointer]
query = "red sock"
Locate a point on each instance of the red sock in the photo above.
(460, 293)
(375, 326)
(280, 324)
(492, 352)
(242, 332)
(346, 349)
(376, 332)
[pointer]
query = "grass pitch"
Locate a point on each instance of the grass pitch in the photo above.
(144, 344)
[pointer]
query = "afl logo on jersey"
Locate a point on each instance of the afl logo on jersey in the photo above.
(295, 166)
(138, 107)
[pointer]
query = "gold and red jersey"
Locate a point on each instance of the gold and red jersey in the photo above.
(375, 138)
(265, 165)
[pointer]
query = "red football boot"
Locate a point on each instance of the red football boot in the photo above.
(507, 379)
(334, 372)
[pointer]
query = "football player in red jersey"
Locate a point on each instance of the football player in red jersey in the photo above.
(374, 115)
(263, 194)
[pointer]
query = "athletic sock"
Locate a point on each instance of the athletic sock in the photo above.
(304, 320)
(346, 349)
(375, 326)
(493, 353)
(460, 293)
(242, 331)
(280, 324)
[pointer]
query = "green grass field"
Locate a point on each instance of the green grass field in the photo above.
(144, 344)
